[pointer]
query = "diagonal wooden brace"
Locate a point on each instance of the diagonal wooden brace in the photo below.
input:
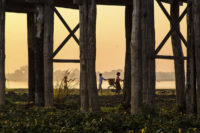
(66, 25)
(65, 41)
(172, 22)
(170, 32)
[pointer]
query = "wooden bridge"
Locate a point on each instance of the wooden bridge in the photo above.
(140, 50)
(25, 6)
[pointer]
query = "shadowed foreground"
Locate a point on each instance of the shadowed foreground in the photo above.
(19, 117)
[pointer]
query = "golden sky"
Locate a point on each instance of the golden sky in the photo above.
(110, 39)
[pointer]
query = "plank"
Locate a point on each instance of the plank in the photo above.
(169, 57)
(65, 61)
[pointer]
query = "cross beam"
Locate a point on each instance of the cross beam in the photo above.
(65, 41)
(65, 61)
(174, 26)
(170, 57)
(170, 32)
(71, 34)
(65, 24)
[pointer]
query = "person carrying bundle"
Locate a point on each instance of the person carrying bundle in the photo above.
(117, 83)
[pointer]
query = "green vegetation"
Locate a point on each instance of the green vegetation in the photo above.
(19, 117)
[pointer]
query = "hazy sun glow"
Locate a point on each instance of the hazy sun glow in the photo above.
(110, 39)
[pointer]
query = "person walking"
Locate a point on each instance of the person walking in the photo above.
(117, 83)
(101, 78)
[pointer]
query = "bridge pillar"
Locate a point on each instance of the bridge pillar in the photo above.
(2, 53)
(190, 91)
(127, 68)
(31, 56)
(179, 63)
(142, 51)
(196, 18)
(88, 86)
(48, 52)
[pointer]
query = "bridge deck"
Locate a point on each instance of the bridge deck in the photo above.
(24, 6)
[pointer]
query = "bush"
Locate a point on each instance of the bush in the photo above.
(61, 95)
(53, 120)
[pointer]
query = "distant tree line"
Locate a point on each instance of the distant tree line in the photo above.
(21, 74)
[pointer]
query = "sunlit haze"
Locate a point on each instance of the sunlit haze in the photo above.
(110, 39)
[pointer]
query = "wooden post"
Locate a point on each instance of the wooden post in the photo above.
(136, 59)
(190, 92)
(39, 61)
(148, 48)
(31, 56)
(84, 99)
(196, 16)
(92, 83)
(178, 63)
(127, 68)
(48, 52)
(88, 87)
(2, 53)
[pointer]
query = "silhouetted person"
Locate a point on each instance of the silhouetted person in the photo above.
(101, 78)
(65, 83)
(117, 83)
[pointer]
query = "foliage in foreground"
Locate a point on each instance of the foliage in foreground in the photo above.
(41, 120)
(66, 118)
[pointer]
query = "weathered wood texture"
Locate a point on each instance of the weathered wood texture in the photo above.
(39, 62)
(92, 83)
(31, 56)
(127, 69)
(136, 59)
(84, 100)
(190, 92)
(88, 87)
(179, 63)
(148, 48)
(196, 16)
(48, 51)
(2, 52)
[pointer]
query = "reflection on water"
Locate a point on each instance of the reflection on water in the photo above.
(159, 85)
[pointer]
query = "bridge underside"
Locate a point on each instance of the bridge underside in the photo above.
(25, 6)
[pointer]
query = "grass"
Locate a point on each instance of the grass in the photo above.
(65, 117)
